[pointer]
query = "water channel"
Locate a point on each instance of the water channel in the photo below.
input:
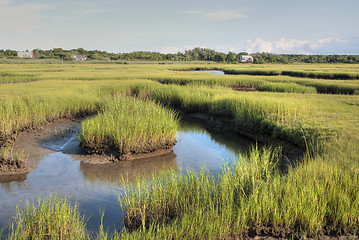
(214, 72)
(95, 187)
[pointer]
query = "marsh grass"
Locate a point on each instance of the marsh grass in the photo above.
(249, 198)
(322, 75)
(51, 218)
(265, 84)
(20, 113)
(287, 87)
(17, 78)
(302, 74)
(130, 126)
(278, 116)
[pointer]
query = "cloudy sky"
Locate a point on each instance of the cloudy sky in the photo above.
(277, 26)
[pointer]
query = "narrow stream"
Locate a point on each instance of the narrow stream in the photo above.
(214, 72)
(95, 187)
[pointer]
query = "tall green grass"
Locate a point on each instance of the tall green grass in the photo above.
(279, 117)
(322, 75)
(257, 84)
(130, 126)
(286, 87)
(51, 218)
(28, 112)
(249, 198)
(334, 88)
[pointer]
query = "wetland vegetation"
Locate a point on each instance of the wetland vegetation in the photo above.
(133, 109)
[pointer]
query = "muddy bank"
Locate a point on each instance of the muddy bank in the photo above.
(114, 156)
(59, 136)
(32, 144)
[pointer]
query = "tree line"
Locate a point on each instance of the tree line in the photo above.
(196, 54)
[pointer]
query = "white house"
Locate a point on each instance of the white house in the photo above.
(26, 54)
(246, 58)
(78, 57)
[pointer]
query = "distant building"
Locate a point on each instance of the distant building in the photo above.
(106, 58)
(246, 58)
(27, 54)
(78, 57)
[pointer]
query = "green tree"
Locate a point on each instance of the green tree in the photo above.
(231, 57)
(220, 57)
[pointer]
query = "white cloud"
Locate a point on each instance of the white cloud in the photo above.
(22, 18)
(217, 14)
(289, 45)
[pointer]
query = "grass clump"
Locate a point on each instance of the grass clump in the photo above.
(12, 161)
(52, 218)
(130, 126)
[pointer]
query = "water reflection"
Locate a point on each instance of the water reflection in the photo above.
(115, 173)
(229, 140)
(9, 182)
(199, 146)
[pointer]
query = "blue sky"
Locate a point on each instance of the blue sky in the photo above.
(277, 26)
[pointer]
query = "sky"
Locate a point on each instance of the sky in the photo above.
(169, 26)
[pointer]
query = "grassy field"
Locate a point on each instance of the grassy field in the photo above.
(133, 110)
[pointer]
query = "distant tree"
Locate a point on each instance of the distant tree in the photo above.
(82, 51)
(231, 57)
(220, 57)
(95, 56)
(10, 53)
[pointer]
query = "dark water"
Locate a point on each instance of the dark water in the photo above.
(214, 72)
(95, 187)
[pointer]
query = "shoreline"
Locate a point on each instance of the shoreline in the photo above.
(32, 140)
